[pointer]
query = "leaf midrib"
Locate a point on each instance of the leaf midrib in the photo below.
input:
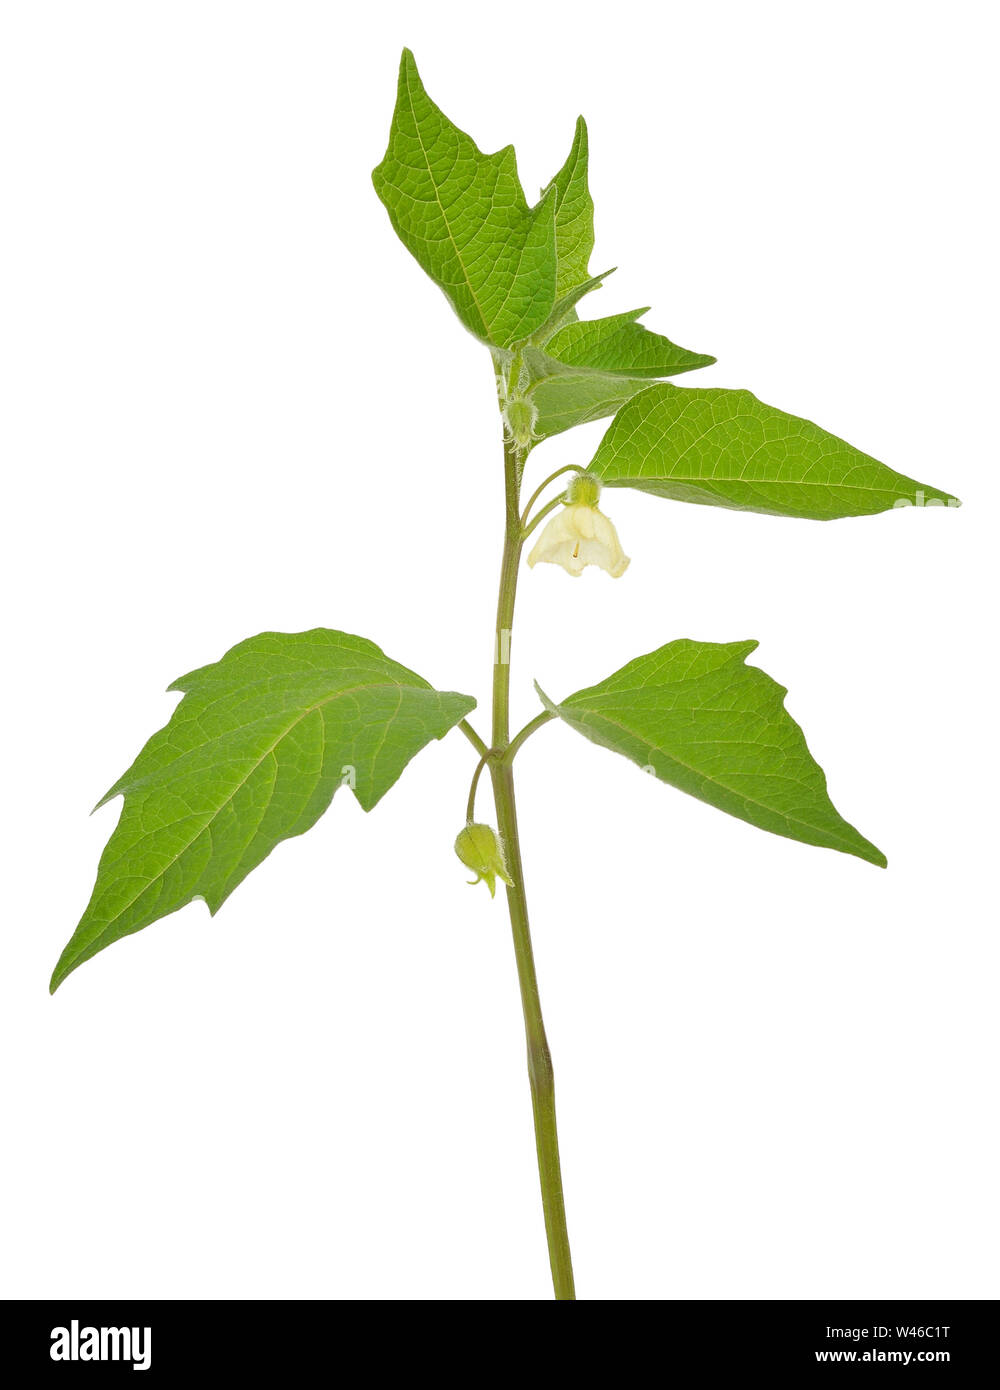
(444, 215)
(790, 482)
(691, 480)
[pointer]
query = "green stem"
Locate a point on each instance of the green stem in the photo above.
(567, 468)
(470, 811)
(540, 1074)
(473, 737)
(540, 516)
(526, 733)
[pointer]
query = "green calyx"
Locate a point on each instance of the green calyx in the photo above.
(479, 849)
(584, 490)
(519, 417)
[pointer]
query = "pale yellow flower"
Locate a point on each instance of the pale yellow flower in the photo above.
(579, 535)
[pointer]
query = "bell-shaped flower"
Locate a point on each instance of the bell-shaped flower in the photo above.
(580, 534)
(480, 850)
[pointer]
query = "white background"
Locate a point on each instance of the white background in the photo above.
(233, 403)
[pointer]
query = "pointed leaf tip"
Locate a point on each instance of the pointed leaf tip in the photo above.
(574, 214)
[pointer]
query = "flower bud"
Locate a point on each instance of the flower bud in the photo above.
(480, 850)
(519, 417)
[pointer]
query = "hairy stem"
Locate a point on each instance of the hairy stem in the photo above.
(540, 1074)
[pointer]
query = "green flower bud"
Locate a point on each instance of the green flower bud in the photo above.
(519, 419)
(585, 489)
(480, 850)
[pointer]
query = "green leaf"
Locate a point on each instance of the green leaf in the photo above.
(251, 756)
(697, 717)
(565, 396)
(728, 449)
(464, 217)
(582, 374)
(589, 369)
(622, 346)
(564, 308)
(574, 215)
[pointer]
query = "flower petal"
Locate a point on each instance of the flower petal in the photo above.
(577, 536)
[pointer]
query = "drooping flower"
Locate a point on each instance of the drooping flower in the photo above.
(480, 850)
(580, 534)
